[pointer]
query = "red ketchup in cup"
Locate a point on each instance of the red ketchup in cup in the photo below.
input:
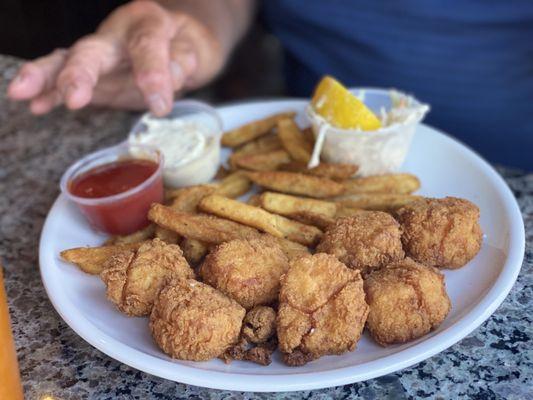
(114, 187)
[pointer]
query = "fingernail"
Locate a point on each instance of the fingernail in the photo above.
(157, 104)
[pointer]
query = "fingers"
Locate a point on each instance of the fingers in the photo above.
(149, 50)
(44, 103)
(88, 59)
(183, 63)
(37, 77)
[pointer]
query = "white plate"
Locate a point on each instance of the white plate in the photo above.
(444, 166)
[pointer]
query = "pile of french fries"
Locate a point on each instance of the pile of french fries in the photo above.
(291, 204)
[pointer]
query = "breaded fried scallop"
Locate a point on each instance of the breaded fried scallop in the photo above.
(134, 277)
(322, 309)
(193, 321)
(246, 270)
(364, 241)
(442, 233)
(407, 300)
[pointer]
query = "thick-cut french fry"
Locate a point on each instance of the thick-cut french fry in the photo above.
(258, 218)
(206, 228)
(263, 161)
(295, 183)
(337, 172)
(291, 249)
(234, 185)
(253, 130)
(186, 199)
(222, 173)
(376, 201)
(391, 183)
(309, 135)
(194, 251)
(135, 237)
(166, 235)
(287, 205)
(343, 211)
(309, 218)
(263, 144)
(294, 141)
(92, 259)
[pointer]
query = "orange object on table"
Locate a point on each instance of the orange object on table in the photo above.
(10, 386)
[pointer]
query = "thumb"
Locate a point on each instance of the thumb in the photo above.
(183, 64)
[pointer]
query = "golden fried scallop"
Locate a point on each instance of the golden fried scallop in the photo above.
(193, 321)
(246, 270)
(407, 300)
(133, 278)
(364, 241)
(259, 324)
(442, 233)
(322, 309)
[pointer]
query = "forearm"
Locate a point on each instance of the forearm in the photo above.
(227, 20)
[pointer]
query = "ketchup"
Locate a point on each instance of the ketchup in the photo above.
(128, 213)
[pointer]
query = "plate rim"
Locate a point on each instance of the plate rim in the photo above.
(308, 380)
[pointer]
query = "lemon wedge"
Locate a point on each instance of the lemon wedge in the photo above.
(333, 102)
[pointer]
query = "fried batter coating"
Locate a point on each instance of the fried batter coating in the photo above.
(193, 321)
(133, 278)
(364, 241)
(407, 300)
(322, 309)
(442, 233)
(248, 271)
(259, 324)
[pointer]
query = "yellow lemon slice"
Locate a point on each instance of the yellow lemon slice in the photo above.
(342, 109)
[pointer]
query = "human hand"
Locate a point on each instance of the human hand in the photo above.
(139, 57)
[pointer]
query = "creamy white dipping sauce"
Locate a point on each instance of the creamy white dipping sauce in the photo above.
(190, 147)
(179, 141)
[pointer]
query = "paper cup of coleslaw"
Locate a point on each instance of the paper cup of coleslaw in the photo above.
(375, 152)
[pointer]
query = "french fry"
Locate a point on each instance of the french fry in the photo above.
(294, 141)
(376, 201)
(135, 237)
(194, 251)
(343, 211)
(287, 205)
(295, 183)
(92, 259)
(263, 144)
(186, 199)
(253, 130)
(205, 228)
(234, 185)
(263, 161)
(309, 135)
(338, 172)
(222, 173)
(307, 211)
(391, 183)
(291, 249)
(166, 235)
(258, 218)
(254, 200)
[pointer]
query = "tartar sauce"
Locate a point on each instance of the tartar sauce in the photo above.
(190, 145)
(179, 141)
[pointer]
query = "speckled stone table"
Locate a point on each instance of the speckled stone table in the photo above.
(494, 362)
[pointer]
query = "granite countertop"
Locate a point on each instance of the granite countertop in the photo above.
(494, 362)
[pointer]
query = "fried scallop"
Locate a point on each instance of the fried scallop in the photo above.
(442, 233)
(364, 241)
(259, 324)
(193, 321)
(134, 277)
(407, 300)
(322, 309)
(248, 271)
